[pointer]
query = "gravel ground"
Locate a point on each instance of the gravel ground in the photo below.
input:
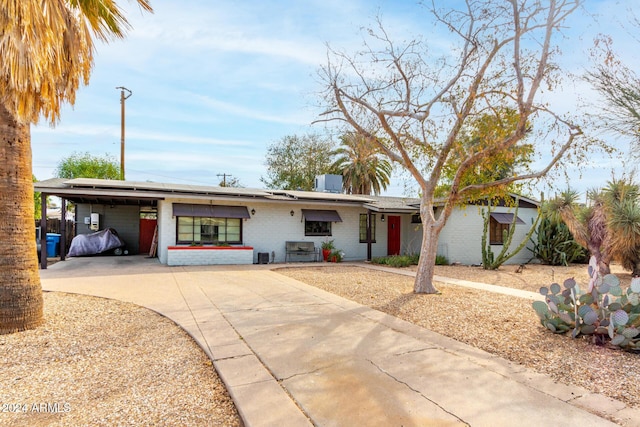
(102, 362)
(502, 325)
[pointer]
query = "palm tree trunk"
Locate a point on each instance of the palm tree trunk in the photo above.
(20, 290)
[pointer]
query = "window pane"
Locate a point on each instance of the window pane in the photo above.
(317, 228)
(363, 228)
(185, 229)
(208, 230)
(233, 229)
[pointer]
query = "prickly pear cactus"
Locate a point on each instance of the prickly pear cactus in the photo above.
(605, 312)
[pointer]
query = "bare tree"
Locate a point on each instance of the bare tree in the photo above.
(417, 107)
(619, 86)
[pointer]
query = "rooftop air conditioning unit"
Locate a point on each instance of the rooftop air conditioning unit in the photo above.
(328, 183)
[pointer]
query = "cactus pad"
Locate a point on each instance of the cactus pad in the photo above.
(590, 318)
(620, 317)
(541, 309)
(612, 280)
(614, 306)
(618, 340)
(615, 291)
(583, 310)
(630, 332)
(604, 288)
(566, 318)
(586, 299)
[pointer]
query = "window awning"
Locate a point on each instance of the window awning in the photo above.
(230, 212)
(505, 218)
(321, 215)
(210, 211)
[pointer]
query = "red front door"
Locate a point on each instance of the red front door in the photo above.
(147, 228)
(393, 235)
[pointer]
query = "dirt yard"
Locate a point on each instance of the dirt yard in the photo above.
(103, 362)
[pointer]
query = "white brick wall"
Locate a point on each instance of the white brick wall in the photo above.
(272, 225)
(209, 256)
(463, 235)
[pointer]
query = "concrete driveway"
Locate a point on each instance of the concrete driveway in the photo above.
(293, 355)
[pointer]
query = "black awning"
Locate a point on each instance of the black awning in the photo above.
(505, 218)
(321, 215)
(184, 209)
(229, 212)
(210, 211)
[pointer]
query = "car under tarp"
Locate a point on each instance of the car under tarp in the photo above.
(95, 243)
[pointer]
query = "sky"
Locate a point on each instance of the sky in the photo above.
(214, 83)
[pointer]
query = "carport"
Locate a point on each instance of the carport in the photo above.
(117, 196)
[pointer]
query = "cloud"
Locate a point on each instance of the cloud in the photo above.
(239, 110)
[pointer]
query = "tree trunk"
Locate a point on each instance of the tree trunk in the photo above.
(20, 290)
(602, 259)
(427, 262)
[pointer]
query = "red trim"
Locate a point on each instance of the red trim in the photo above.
(188, 248)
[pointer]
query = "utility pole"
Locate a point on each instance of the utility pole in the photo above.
(224, 178)
(122, 99)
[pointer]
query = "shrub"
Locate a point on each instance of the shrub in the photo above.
(441, 260)
(554, 244)
(327, 245)
(336, 255)
(605, 312)
(399, 261)
(380, 260)
(405, 260)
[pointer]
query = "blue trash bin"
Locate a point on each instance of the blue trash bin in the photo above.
(53, 244)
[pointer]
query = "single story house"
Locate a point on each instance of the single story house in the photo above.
(194, 224)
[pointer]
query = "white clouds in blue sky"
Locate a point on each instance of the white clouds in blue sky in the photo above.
(215, 82)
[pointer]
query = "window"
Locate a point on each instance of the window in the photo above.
(209, 230)
(363, 228)
(499, 225)
(209, 224)
(317, 228)
(318, 222)
(497, 232)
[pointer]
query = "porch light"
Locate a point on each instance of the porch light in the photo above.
(382, 217)
(253, 212)
(292, 213)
